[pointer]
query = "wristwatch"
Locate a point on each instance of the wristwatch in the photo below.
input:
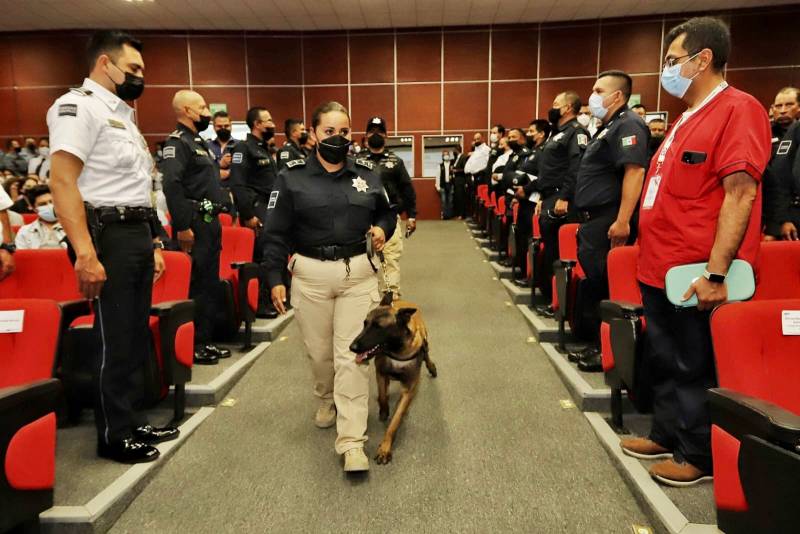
(714, 277)
(8, 247)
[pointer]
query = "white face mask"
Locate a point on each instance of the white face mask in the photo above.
(493, 138)
(46, 213)
(584, 120)
(44, 151)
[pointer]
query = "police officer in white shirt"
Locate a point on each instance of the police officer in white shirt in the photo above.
(100, 177)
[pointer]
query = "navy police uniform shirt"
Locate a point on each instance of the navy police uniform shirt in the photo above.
(190, 173)
(560, 159)
(622, 140)
(782, 182)
(253, 175)
(288, 152)
(395, 179)
(312, 207)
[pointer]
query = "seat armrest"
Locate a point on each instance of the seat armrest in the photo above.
(72, 309)
(615, 309)
(177, 309)
(247, 271)
(741, 414)
(21, 405)
(566, 263)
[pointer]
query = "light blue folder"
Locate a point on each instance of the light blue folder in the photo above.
(740, 282)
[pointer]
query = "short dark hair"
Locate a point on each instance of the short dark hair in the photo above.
(573, 100)
(220, 115)
(35, 192)
(637, 106)
(109, 42)
(254, 114)
(289, 125)
(657, 119)
(9, 143)
(626, 83)
(704, 32)
(542, 125)
(794, 90)
(500, 129)
(327, 107)
(520, 130)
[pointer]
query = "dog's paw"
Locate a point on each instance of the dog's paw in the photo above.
(384, 455)
(432, 371)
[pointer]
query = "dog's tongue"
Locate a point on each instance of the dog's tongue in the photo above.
(361, 357)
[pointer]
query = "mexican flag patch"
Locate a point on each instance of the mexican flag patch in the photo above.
(629, 141)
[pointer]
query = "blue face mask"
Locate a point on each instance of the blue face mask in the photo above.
(674, 82)
(596, 106)
(46, 213)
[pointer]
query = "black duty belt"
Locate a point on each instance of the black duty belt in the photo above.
(123, 214)
(796, 202)
(587, 214)
(334, 252)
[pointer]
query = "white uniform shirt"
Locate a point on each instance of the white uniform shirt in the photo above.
(98, 128)
(37, 235)
(478, 160)
(5, 200)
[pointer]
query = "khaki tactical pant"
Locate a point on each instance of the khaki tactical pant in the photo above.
(392, 251)
(330, 308)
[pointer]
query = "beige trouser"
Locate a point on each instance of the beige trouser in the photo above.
(391, 254)
(330, 308)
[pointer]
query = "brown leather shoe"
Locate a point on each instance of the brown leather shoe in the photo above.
(644, 449)
(676, 474)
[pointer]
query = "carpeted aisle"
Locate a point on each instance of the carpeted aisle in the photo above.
(486, 448)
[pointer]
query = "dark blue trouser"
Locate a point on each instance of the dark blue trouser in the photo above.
(681, 359)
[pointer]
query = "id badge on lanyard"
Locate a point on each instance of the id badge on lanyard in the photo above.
(655, 181)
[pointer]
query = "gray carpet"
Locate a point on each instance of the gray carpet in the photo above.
(486, 447)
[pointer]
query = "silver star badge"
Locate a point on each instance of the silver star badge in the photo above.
(360, 185)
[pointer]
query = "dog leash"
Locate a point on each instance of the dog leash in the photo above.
(388, 291)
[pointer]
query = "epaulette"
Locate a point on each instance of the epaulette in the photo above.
(296, 163)
(176, 134)
(364, 162)
(80, 91)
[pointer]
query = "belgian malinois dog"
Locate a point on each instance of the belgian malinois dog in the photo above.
(395, 335)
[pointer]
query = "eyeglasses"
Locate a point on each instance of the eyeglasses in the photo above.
(670, 62)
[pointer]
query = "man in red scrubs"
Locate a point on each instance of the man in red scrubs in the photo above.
(701, 203)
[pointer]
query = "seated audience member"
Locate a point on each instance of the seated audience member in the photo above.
(658, 128)
(45, 231)
(39, 165)
(13, 160)
(30, 150)
(223, 145)
(12, 185)
(640, 110)
(23, 204)
(709, 214)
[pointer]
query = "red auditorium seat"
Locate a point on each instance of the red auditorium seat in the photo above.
(500, 226)
(755, 413)
(239, 276)
(28, 397)
(512, 239)
(490, 219)
(567, 272)
(482, 194)
(28, 217)
(779, 270)
(535, 251)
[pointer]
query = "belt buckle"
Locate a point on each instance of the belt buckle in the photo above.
(121, 212)
(328, 252)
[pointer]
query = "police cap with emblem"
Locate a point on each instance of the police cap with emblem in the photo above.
(376, 123)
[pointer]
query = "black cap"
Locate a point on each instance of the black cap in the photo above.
(376, 122)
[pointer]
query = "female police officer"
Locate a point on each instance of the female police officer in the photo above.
(323, 209)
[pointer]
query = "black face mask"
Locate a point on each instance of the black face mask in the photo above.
(18, 149)
(514, 145)
(334, 149)
(202, 123)
(224, 135)
(476, 144)
(529, 141)
(31, 147)
(655, 141)
(303, 139)
(375, 141)
(554, 115)
(268, 134)
(132, 88)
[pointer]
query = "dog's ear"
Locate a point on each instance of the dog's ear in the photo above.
(387, 299)
(404, 314)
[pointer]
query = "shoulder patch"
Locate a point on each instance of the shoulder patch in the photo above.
(364, 162)
(628, 141)
(237, 157)
(168, 153)
(295, 163)
(176, 134)
(784, 147)
(68, 110)
(285, 154)
(583, 139)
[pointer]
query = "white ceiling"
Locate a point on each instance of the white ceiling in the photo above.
(293, 15)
